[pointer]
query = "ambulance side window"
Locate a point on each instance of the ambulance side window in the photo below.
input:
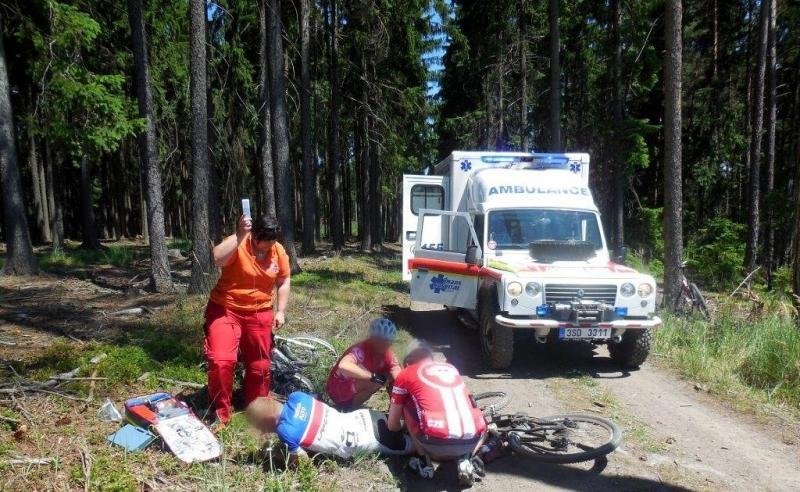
(426, 196)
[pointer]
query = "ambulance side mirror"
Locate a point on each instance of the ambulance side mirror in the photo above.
(620, 255)
(472, 258)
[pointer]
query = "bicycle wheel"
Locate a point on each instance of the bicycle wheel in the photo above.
(698, 300)
(491, 402)
(306, 349)
(570, 438)
(289, 383)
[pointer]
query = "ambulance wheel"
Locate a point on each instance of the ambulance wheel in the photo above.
(497, 341)
(633, 350)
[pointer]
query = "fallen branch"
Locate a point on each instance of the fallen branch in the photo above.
(56, 393)
(60, 377)
(89, 378)
(181, 383)
(95, 360)
(128, 312)
(21, 407)
(86, 464)
(9, 419)
(76, 339)
(8, 343)
(744, 281)
(21, 460)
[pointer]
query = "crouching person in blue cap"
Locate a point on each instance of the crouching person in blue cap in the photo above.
(365, 367)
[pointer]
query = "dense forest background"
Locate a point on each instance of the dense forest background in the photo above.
(121, 117)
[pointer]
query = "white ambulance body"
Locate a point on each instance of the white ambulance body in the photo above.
(514, 241)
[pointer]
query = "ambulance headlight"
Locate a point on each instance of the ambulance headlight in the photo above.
(514, 289)
(627, 289)
(533, 289)
(645, 290)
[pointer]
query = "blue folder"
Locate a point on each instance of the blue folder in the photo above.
(132, 438)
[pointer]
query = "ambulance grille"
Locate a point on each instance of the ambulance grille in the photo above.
(554, 293)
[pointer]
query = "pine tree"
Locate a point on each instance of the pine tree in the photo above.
(555, 79)
(673, 193)
(202, 267)
(20, 259)
(160, 277)
(309, 174)
(284, 183)
(754, 188)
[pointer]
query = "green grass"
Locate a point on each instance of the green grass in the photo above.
(748, 361)
(334, 298)
(73, 256)
(181, 243)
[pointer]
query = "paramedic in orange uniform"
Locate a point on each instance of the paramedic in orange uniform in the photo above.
(246, 306)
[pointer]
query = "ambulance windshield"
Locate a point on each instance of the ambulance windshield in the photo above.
(516, 229)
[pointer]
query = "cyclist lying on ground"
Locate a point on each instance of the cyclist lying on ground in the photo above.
(440, 414)
(306, 424)
(365, 367)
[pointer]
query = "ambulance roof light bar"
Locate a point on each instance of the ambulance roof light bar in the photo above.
(537, 162)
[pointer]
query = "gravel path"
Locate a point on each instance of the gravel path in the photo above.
(676, 438)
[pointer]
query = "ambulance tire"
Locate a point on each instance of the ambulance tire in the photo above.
(633, 350)
(497, 341)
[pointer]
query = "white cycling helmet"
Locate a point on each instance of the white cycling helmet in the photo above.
(383, 328)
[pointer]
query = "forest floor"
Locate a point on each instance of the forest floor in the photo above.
(676, 435)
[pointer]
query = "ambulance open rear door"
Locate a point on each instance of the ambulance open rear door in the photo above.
(421, 192)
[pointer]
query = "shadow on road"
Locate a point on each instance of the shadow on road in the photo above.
(540, 475)
(461, 346)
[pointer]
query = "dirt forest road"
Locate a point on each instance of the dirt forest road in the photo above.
(675, 438)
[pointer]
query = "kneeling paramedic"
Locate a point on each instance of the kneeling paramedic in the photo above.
(440, 414)
(304, 423)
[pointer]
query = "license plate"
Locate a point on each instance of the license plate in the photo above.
(584, 333)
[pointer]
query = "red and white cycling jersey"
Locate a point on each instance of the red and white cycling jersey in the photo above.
(436, 394)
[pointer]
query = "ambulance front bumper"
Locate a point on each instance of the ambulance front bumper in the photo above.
(625, 324)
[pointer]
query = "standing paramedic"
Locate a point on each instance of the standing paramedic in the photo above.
(246, 306)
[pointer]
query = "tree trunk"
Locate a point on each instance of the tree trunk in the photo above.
(620, 166)
(673, 193)
(555, 79)
(336, 225)
(375, 190)
(202, 267)
(265, 120)
(284, 186)
(145, 230)
(770, 151)
(753, 223)
(523, 70)
(366, 166)
(715, 40)
(54, 198)
(19, 254)
(795, 243)
(90, 240)
(309, 178)
(160, 276)
(347, 197)
(38, 182)
(122, 186)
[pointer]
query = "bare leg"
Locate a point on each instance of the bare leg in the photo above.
(364, 390)
(361, 397)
